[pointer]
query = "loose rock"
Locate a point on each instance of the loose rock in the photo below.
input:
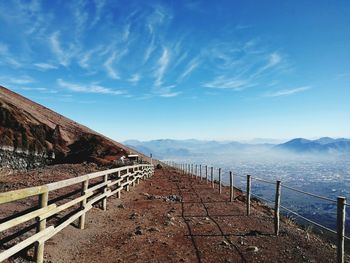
(121, 206)
(138, 230)
(133, 216)
(252, 249)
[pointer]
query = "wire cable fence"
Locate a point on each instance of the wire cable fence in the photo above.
(217, 174)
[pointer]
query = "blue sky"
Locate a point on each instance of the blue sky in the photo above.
(184, 69)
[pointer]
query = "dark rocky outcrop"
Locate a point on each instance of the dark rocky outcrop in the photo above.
(20, 160)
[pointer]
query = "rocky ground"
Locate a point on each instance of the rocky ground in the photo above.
(175, 218)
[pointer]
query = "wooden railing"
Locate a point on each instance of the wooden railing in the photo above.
(91, 191)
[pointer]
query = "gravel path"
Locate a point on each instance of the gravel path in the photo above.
(151, 224)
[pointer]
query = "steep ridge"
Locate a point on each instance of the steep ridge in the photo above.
(32, 135)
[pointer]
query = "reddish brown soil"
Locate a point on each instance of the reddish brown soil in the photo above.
(28, 126)
(205, 227)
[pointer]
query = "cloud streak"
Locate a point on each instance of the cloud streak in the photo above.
(223, 82)
(135, 78)
(288, 92)
(162, 66)
(45, 66)
(192, 65)
(111, 71)
(91, 88)
(64, 56)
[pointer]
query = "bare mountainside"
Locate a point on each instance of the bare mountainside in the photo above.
(32, 135)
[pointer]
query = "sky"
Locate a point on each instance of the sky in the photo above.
(223, 70)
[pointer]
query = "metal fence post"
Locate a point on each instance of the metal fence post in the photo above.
(212, 176)
(277, 207)
(219, 180)
(200, 171)
(231, 187)
(196, 170)
(249, 180)
(341, 206)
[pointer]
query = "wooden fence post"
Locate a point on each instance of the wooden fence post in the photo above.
(206, 173)
(219, 180)
(212, 176)
(139, 169)
(231, 186)
(39, 251)
(277, 207)
(341, 211)
(118, 185)
(127, 178)
(248, 193)
(134, 181)
(84, 187)
(104, 200)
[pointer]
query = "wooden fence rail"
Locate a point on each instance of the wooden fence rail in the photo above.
(114, 181)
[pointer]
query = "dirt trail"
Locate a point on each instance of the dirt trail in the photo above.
(205, 227)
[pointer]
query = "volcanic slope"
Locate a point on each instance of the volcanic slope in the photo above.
(29, 128)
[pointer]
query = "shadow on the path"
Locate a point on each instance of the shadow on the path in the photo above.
(208, 215)
(198, 254)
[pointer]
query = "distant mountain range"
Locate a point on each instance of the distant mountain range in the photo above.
(322, 145)
(168, 148)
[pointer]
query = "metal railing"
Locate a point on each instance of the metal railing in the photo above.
(340, 202)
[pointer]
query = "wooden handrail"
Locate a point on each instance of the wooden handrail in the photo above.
(96, 193)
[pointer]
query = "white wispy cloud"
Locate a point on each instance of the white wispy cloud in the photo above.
(157, 18)
(170, 94)
(287, 92)
(273, 60)
(20, 80)
(87, 56)
(7, 58)
(151, 47)
(126, 32)
(191, 66)
(111, 71)
(45, 66)
(45, 90)
(162, 66)
(91, 88)
(223, 82)
(135, 78)
(81, 17)
(166, 91)
(109, 64)
(63, 55)
(99, 5)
